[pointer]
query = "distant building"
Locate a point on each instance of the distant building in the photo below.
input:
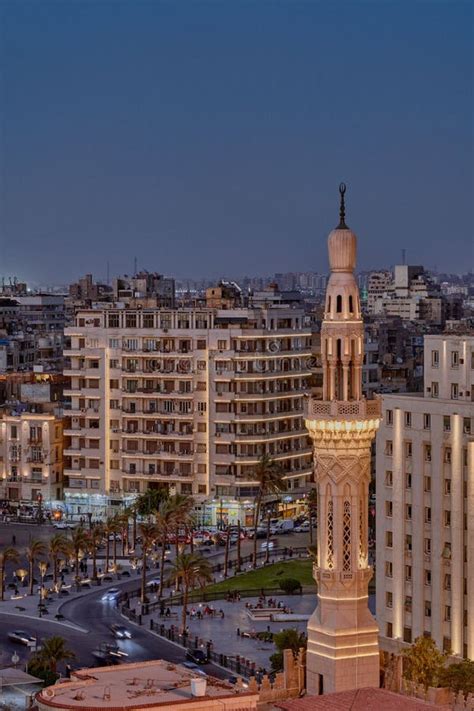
(425, 504)
(146, 285)
(86, 291)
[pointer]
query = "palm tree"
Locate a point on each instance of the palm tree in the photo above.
(269, 478)
(191, 569)
(35, 549)
(149, 533)
(53, 651)
(110, 529)
(8, 555)
(79, 542)
(94, 539)
(58, 545)
(164, 519)
(182, 506)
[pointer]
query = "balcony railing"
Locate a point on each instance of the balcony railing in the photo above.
(342, 409)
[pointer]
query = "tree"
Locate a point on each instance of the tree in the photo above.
(110, 529)
(287, 639)
(269, 479)
(35, 550)
(149, 533)
(94, 540)
(58, 545)
(312, 511)
(458, 677)
(164, 519)
(149, 502)
(53, 651)
(192, 569)
(79, 544)
(423, 662)
(8, 555)
(182, 507)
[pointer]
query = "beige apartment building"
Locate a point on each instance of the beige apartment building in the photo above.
(425, 504)
(31, 455)
(188, 399)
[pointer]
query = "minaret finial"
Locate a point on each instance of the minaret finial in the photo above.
(342, 208)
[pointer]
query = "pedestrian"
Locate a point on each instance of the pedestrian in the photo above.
(13, 540)
(238, 631)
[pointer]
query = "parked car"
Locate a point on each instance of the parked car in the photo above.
(120, 632)
(261, 532)
(198, 656)
(270, 544)
(285, 526)
(22, 637)
(302, 528)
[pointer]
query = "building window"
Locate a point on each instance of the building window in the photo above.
(447, 644)
(408, 543)
(435, 359)
(339, 304)
(427, 546)
(408, 512)
(426, 421)
(389, 447)
(427, 608)
(447, 423)
(407, 480)
(454, 391)
(427, 577)
(408, 573)
(388, 569)
(447, 455)
(407, 634)
(427, 514)
(446, 554)
(454, 359)
(447, 613)
(434, 389)
(427, 452)
(467, 425)
(389, 417)
(427, 483)
(389, 539)
(408, 603)
(447, 518)
(389, 629)
(388, 599)
(407, 419)
(408, 450)
(222, 345)
(388, 478)
(447, 581)
(447, 486)
(388, 509)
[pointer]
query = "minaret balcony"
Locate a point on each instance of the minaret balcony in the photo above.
(342, 409)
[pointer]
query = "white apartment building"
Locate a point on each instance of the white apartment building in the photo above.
(425, 504)
(378, 284)
(31, 456)
(185, 398)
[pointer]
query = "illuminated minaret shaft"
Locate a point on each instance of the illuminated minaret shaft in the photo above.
(343, 650)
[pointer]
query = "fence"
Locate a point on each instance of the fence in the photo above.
(239, 665)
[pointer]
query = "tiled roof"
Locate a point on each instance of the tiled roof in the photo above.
(357, 700)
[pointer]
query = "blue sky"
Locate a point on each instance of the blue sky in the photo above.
(209, 138)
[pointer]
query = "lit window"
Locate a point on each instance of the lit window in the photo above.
(389, 417)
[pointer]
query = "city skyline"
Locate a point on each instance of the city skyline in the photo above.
(144, 145)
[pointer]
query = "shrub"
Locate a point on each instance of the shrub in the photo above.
(290, 585)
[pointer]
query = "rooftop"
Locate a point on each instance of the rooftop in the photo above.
(357, 700)
(134, 686)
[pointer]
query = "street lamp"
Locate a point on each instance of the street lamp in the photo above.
(42, 567)
(15, 659)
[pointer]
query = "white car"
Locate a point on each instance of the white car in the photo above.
(270, 544)
(111, 595)
(22, 637)
(302, 528)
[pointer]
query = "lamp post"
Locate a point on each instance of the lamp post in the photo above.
(42, 567)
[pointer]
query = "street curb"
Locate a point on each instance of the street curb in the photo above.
(70, 625)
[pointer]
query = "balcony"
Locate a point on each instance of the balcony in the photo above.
(342, 410)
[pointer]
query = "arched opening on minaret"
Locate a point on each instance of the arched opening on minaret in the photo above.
(351, 305)
(339, 304)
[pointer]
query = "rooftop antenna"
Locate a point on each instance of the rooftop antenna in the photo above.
(342, 208)
(404, 256)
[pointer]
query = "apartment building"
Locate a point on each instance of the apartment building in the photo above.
(425, 504)
(31, 455)
(184, 398)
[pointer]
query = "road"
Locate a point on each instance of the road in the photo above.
(95, 616)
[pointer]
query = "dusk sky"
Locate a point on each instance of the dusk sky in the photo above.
(209, 139)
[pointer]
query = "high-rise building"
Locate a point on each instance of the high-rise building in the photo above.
(189, 399)
(425, 504)
(343, 651)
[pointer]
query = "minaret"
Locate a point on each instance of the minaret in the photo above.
(343, 651)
